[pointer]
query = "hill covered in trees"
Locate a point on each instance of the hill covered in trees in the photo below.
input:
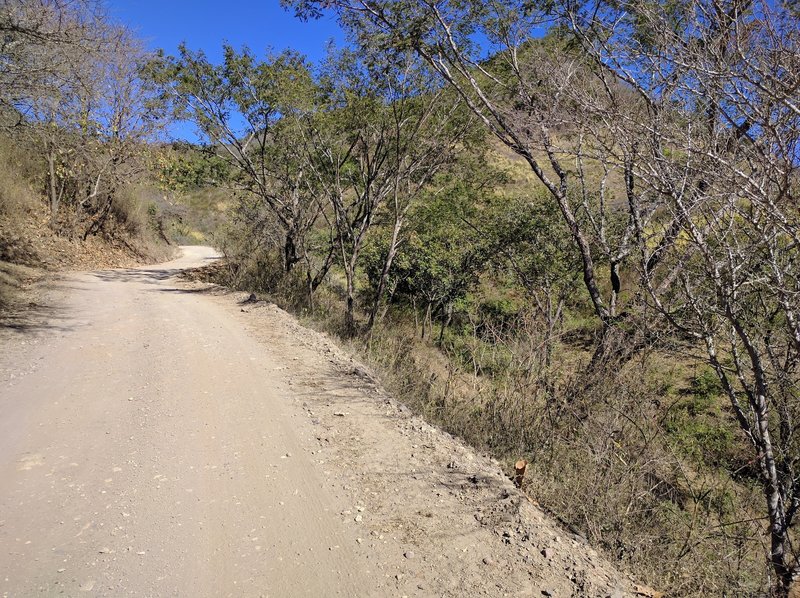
(81, 138)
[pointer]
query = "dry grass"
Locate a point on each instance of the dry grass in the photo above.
(17, 170)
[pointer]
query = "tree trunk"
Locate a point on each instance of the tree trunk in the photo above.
(426, 318)
(51, 169)
(99, 221)
(387, 265)
(310, 291)
(290, 257)
(349, 315)
(445, 323)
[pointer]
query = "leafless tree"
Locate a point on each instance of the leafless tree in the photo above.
(713, 155)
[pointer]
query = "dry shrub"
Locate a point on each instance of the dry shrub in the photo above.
(601, 460)
(17, 171)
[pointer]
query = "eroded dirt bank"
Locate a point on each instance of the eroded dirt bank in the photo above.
(160, 438)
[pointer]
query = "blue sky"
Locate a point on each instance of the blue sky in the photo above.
(207, 24)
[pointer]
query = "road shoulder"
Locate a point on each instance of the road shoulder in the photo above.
(442, 519)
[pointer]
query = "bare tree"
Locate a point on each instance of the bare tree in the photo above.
(715, 151)
(40, 41)
(71, 84)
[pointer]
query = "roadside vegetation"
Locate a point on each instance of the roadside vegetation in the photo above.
(79, 125)
(566, 232)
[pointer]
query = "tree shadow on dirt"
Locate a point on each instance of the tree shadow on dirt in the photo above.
(136, 275)
(31, 311)
(34, 318)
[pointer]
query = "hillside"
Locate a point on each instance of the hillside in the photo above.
(32, 251)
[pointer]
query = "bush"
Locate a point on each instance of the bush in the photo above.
(17, 175)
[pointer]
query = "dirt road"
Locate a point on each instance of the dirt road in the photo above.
(159, 439)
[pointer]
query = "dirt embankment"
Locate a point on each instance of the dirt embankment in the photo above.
(32, 255)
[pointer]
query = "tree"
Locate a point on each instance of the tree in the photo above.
(527, 238)
(72, 78)
(247, 112)
(715, 151)
(39, 42)
(441, 258)
(529, 94)
(384, 134)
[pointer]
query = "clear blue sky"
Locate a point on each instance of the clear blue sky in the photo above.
(207, 24)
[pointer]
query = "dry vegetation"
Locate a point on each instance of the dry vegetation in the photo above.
(30, 250)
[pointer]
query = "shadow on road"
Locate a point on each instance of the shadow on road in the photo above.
(198, 291)
(136, 275)
(37, 314)
(34, 318)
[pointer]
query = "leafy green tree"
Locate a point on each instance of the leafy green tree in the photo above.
(440, 259)
(244, 109)
(383, 136)
(527, 238)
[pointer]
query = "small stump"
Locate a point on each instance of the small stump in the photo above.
(519, 472)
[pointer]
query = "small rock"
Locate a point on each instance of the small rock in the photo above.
(358, 518)
(548, 592)
(488, 561)
(339, 413)
(409, 555)
(546, 553)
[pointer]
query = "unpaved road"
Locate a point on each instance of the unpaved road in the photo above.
(159, 439)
